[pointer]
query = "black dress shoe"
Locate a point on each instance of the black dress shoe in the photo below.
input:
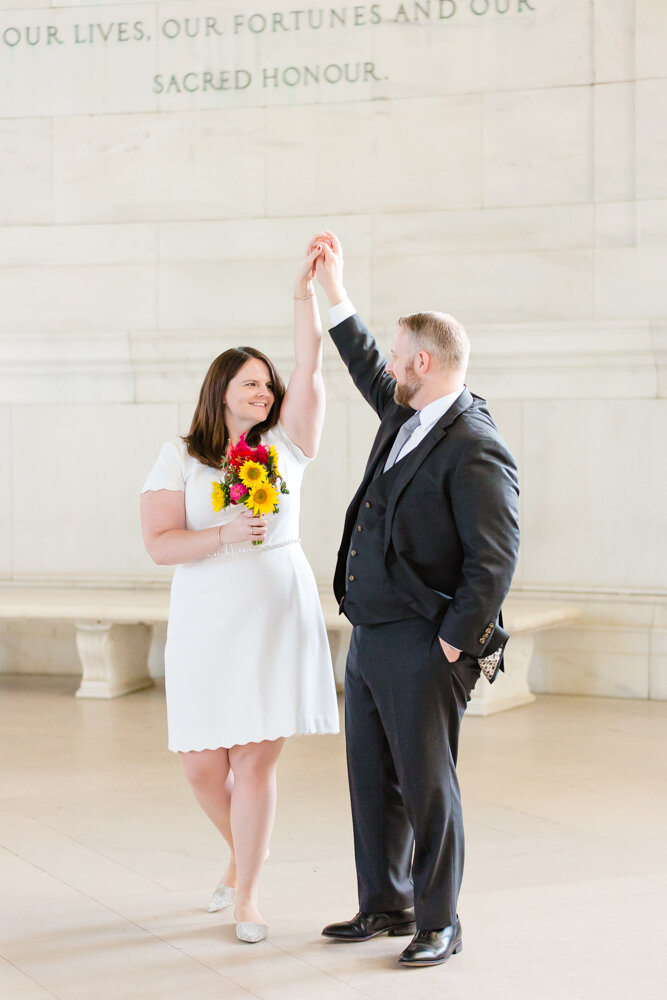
(433, 947)
(363, 927)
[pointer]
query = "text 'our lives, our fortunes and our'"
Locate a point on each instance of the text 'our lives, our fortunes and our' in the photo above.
(35, 35)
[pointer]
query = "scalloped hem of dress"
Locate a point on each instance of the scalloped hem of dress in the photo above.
(242, 743)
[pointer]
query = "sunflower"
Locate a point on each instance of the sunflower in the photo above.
(219, 496)
(252, 474)
(262, 499)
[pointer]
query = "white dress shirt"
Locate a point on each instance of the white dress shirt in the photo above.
(339, 312)
(427, 418)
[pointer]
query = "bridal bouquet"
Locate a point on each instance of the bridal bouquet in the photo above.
(250, 476)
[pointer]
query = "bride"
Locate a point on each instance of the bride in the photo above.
(247, 661)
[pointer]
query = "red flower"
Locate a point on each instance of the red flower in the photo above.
(240, 453)
(260, 454)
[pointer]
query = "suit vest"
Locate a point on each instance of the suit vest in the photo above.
(370, 596)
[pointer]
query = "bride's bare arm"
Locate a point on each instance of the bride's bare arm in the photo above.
(302, 413)
(167, 539)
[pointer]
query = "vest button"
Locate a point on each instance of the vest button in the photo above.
(350, 577)
(353, 552)
(368, 503)
(359, 528)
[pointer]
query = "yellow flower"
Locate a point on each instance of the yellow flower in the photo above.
(218, 498)
(273, 455)
(262, 499)
(252, 473)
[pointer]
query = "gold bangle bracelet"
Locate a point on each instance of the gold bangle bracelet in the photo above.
(302, 298)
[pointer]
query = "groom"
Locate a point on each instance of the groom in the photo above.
(427, 556)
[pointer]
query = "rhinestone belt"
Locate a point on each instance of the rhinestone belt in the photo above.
(231, 550)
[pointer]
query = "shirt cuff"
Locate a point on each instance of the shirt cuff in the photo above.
(341, 311)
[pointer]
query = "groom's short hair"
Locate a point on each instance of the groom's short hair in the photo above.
(439, 334)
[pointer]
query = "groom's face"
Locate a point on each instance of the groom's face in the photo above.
(402, 367)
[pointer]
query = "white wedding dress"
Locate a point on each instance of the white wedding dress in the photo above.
(247, 656)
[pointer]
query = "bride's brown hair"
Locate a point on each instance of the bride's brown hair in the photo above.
(208, 438)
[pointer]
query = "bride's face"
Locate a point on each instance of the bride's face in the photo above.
(249, 395)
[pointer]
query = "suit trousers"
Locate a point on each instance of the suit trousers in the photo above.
(404, 703)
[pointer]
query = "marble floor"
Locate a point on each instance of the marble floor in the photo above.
(106, 863)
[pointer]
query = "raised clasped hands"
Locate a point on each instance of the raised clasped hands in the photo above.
(328, 265)
(306, 270)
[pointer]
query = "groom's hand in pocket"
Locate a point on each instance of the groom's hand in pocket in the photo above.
(450, 652)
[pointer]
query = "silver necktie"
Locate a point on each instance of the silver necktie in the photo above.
(404, 432)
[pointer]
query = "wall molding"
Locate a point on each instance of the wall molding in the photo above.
(600, 360)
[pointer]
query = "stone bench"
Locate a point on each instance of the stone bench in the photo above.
(523, 617)
(114, 630)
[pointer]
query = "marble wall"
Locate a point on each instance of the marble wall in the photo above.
(163, 165)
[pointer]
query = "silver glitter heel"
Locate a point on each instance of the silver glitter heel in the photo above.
(222, 897)
(252, 933)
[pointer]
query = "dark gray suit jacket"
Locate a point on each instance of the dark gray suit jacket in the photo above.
(451, 534)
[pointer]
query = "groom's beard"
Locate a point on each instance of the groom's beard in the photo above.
(405, 391)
